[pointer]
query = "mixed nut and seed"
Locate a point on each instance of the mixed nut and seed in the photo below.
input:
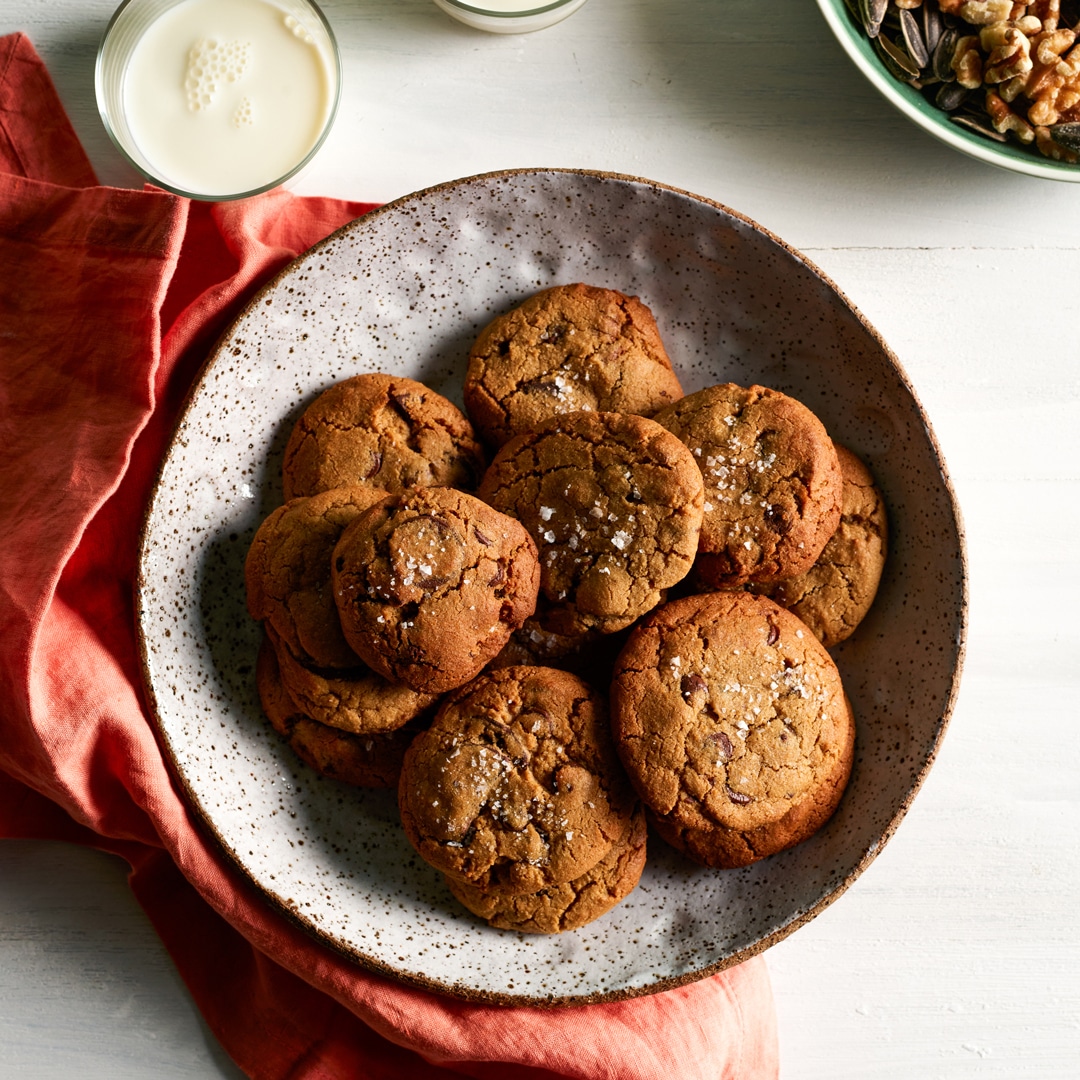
(997, 67)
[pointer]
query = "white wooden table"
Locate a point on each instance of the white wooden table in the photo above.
(957, 954)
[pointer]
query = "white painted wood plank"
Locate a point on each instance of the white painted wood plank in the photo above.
(86, 988)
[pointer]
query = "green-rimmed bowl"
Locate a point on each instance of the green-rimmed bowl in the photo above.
(914, 106)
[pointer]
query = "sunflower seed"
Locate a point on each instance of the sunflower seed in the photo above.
(943, 54)
(932, 25)
(913, 39)
(973, 125)
(1067, 135)
(950, 96)
(900, 56)
(873, 14)
(893, 68)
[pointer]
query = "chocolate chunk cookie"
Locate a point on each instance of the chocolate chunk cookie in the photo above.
(382, 430)
(566, 349)
(573, 904)
(732, 723)
(614, 503)
(431, 583)
(357, 699)
(834, 595)
(362, 760)
(516, 786)
(772, 482)
(287, 573)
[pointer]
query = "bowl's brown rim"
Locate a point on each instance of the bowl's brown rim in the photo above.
(370, 963)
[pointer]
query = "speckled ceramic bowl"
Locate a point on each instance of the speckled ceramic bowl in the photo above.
(406, 289)
(1009, 155)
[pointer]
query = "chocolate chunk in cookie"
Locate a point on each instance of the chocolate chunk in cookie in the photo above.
(571, 905)
(732, 723)
(356, 699)
(385, 431)
(287, 573)
(614, 503)
(772, 482)
(566, 349)
(431, 583)
(835, 594)
(372, 760)
(516, 786)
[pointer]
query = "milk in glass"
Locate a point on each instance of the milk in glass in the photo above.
(226, 96)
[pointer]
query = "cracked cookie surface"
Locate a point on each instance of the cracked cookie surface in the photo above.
(614, 503)
(430, 584)
(386, 431)
(835, 594)
(568, 348)
(362, 760)
(357, 699)
(731, 720)
(287, 572)
(516, 786)
(572, 904)
(772, 482)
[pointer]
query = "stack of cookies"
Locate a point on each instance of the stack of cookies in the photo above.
(457, 629)
(378, 592)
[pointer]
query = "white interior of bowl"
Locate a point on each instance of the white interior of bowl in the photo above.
(406, 289)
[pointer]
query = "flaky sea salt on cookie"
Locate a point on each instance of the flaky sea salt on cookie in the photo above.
(731, 720)
(614, 504)
(772, 482)
(571, 905)
(431, 583)
(567, 349)
(516, 786)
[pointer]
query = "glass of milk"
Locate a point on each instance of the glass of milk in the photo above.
(218, 99)
(509, 16)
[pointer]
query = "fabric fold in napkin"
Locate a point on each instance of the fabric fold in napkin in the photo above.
(109, 302)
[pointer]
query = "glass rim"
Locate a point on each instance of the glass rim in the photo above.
(175, 189)
(476, 9)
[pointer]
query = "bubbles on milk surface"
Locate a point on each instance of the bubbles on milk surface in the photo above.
(224, 96)
(299, 30)
(210, 64)
(243, 117)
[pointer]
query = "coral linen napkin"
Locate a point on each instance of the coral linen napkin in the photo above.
(109, 301)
